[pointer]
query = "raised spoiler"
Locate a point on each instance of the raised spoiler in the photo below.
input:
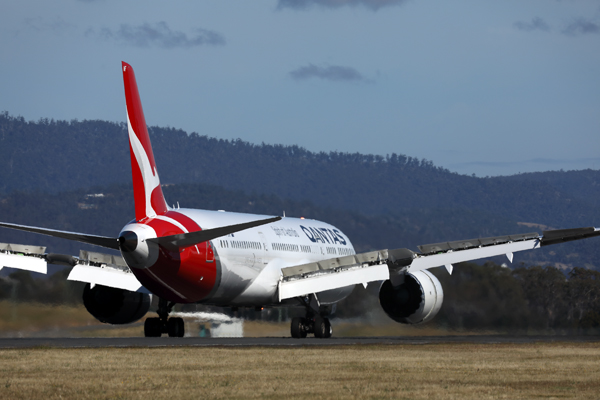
(380, 265)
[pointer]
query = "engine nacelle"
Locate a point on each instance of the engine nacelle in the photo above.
(137, 252)
(418, 299)
(115, 306)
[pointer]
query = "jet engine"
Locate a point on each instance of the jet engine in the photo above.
(418, 299)
(115, 306)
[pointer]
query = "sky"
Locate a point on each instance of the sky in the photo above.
(479, 87)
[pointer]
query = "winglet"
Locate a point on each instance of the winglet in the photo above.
(147, 193)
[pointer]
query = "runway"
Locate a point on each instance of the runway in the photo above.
(20, 343)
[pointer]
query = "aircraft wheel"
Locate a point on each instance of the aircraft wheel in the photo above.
(152, 327)
(297, 329)
(175, 327)
(330, 332)
(322, 327)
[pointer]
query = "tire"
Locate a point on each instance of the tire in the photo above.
(176, 327)
(320, 328)
(329, 329)
(152, 327)
(297, 329)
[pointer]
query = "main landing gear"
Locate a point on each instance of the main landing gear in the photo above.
(155, 327)
(320, 326)
(315, 321)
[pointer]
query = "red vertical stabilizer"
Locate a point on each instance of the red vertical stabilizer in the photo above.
(147, 193)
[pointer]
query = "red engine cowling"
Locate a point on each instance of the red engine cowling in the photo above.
(418, 299)
(115, 306)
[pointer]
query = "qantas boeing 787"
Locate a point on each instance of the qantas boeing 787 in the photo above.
(243, 260)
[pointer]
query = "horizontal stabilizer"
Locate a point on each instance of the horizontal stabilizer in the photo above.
(183, 240)
(103, 241)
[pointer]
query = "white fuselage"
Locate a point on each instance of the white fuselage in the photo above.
(239, 269)
(250, 261)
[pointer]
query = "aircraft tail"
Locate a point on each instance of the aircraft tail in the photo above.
(147, 193)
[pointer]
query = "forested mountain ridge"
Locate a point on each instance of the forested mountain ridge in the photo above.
(579, 184)
(429, 202)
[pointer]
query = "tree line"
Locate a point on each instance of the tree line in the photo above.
(493, 297)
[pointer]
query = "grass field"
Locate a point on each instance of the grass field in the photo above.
(542, 370)
(503, 371)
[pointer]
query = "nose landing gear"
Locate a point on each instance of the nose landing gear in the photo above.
(155, 327)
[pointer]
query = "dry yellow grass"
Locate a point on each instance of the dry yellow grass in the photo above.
(426, 371)
(30, 317)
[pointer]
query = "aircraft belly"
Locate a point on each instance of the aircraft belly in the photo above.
(263, 289)
(334, 295)
(237, 273)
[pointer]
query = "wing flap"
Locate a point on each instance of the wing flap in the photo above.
(24, 262)
(457, 256)
(105, 276)
(323, 280)
(90, 267)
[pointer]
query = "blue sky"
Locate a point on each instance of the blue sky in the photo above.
(483, 87)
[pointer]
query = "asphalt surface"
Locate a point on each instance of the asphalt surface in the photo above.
(14, 343)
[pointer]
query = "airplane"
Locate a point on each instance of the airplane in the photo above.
(236, 260)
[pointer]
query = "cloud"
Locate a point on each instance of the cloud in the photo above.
(56, 25)
(330, 73)
(581, 26)
(159, 35)
(536, 24)
(304, 4)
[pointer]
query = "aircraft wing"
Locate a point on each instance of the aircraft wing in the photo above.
(90, 267)
(381, 265)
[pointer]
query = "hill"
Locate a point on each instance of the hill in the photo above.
(388, 201)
